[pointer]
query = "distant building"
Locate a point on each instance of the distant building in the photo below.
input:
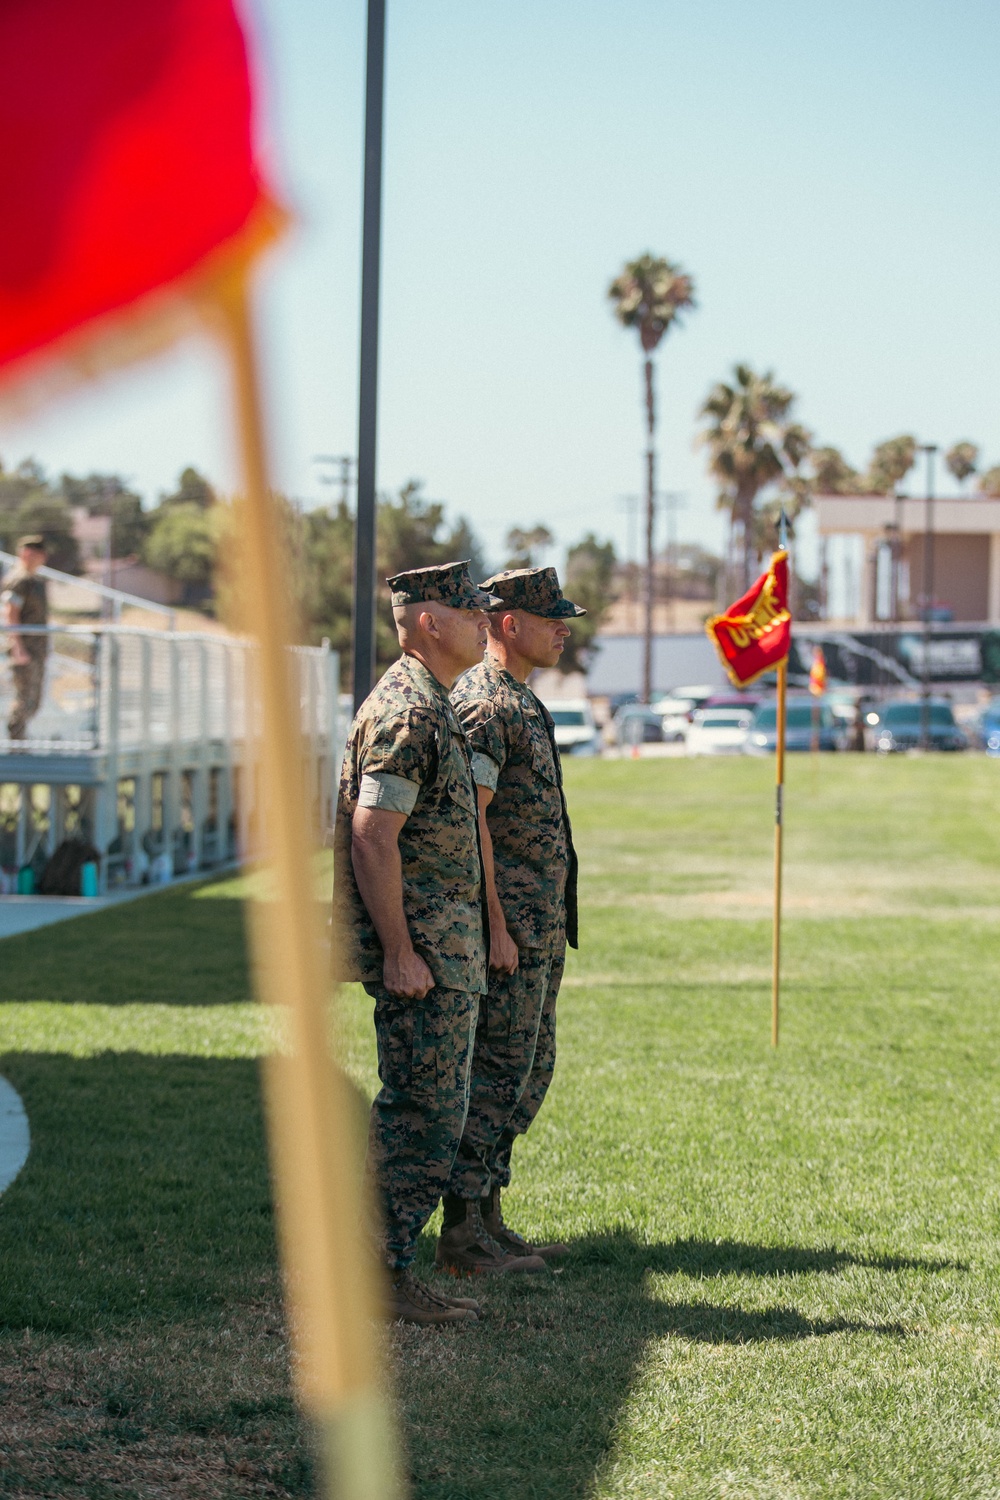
(615, 668)
(872, 554)
(133, 577)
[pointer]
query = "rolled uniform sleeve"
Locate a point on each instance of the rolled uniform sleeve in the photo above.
(485, 771)
(390, 793)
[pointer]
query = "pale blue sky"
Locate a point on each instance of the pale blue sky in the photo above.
(826, 173)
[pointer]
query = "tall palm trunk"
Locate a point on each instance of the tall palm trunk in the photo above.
(745, 496)
(647, 632)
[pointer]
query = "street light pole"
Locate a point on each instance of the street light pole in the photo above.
(363, 632)
(925, 696)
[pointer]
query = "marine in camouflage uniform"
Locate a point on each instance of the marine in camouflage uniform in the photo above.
(25, 602)
(407, 754)
(515, 759)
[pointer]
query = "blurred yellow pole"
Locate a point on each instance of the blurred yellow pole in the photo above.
(779, 771)
(329, 1281)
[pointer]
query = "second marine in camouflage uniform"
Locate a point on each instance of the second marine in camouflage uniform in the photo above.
(407, 781)
(516, 765)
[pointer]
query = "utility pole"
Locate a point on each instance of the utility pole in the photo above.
(346, 462)
(364, 530)
(925, 696)
(648, 592)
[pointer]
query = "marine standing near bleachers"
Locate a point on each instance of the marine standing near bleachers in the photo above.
(25, 602)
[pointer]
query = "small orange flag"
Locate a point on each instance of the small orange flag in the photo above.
(755, 633)
(817, 673)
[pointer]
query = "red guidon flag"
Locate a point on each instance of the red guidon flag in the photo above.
(127, 173)
(754, 634)
(817, 673)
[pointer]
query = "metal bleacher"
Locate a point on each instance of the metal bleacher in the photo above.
(145, 745)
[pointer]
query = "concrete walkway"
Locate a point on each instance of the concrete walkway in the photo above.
(15, 1137)
(25, 913)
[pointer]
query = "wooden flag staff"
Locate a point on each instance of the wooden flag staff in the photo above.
(779, 791)
(779, 769)
(328, 1278)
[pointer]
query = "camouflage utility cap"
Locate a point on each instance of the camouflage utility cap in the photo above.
(449, 583)
(535, 590)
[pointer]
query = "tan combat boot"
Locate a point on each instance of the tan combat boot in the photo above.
(410, 1301)
(508, 1239)
(466, 1248)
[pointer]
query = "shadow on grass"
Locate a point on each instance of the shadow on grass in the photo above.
(529, 1401)
(723, 1257)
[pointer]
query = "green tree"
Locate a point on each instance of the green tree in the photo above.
(890, 463)
(650, 295)
(962, 460)
(588, 580)
(832, 474)
(182, 543)
(751, 444)
(15, 487)
(192, 489)
(411, 532)
(523, 546)
(47, 513)
(327, 578)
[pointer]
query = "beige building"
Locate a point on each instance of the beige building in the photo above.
(873, 550)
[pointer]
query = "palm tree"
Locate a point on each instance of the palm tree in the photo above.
(890, 463)
(989, 483)
(750, 442)
(650, 294)
(962, 460)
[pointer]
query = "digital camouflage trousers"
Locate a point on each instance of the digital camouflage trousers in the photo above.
(28, 681)
(512, 1065)
(417, 1118)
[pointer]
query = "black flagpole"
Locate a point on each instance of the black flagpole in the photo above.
(364, 533)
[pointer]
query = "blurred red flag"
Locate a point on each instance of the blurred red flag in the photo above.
(126, 159)
(755, 633)
(817, 673)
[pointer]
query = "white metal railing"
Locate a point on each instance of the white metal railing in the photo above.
(119, 687)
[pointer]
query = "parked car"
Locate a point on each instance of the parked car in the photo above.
(762, 735)
(899, 725)
(675, 715)
(575, 730)
(718, 731)
(637, 724)
(989, 727)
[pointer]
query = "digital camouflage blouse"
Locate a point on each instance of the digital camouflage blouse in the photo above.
(533, 855)
(406, 731)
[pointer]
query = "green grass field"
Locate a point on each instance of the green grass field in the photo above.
(785, 1273)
